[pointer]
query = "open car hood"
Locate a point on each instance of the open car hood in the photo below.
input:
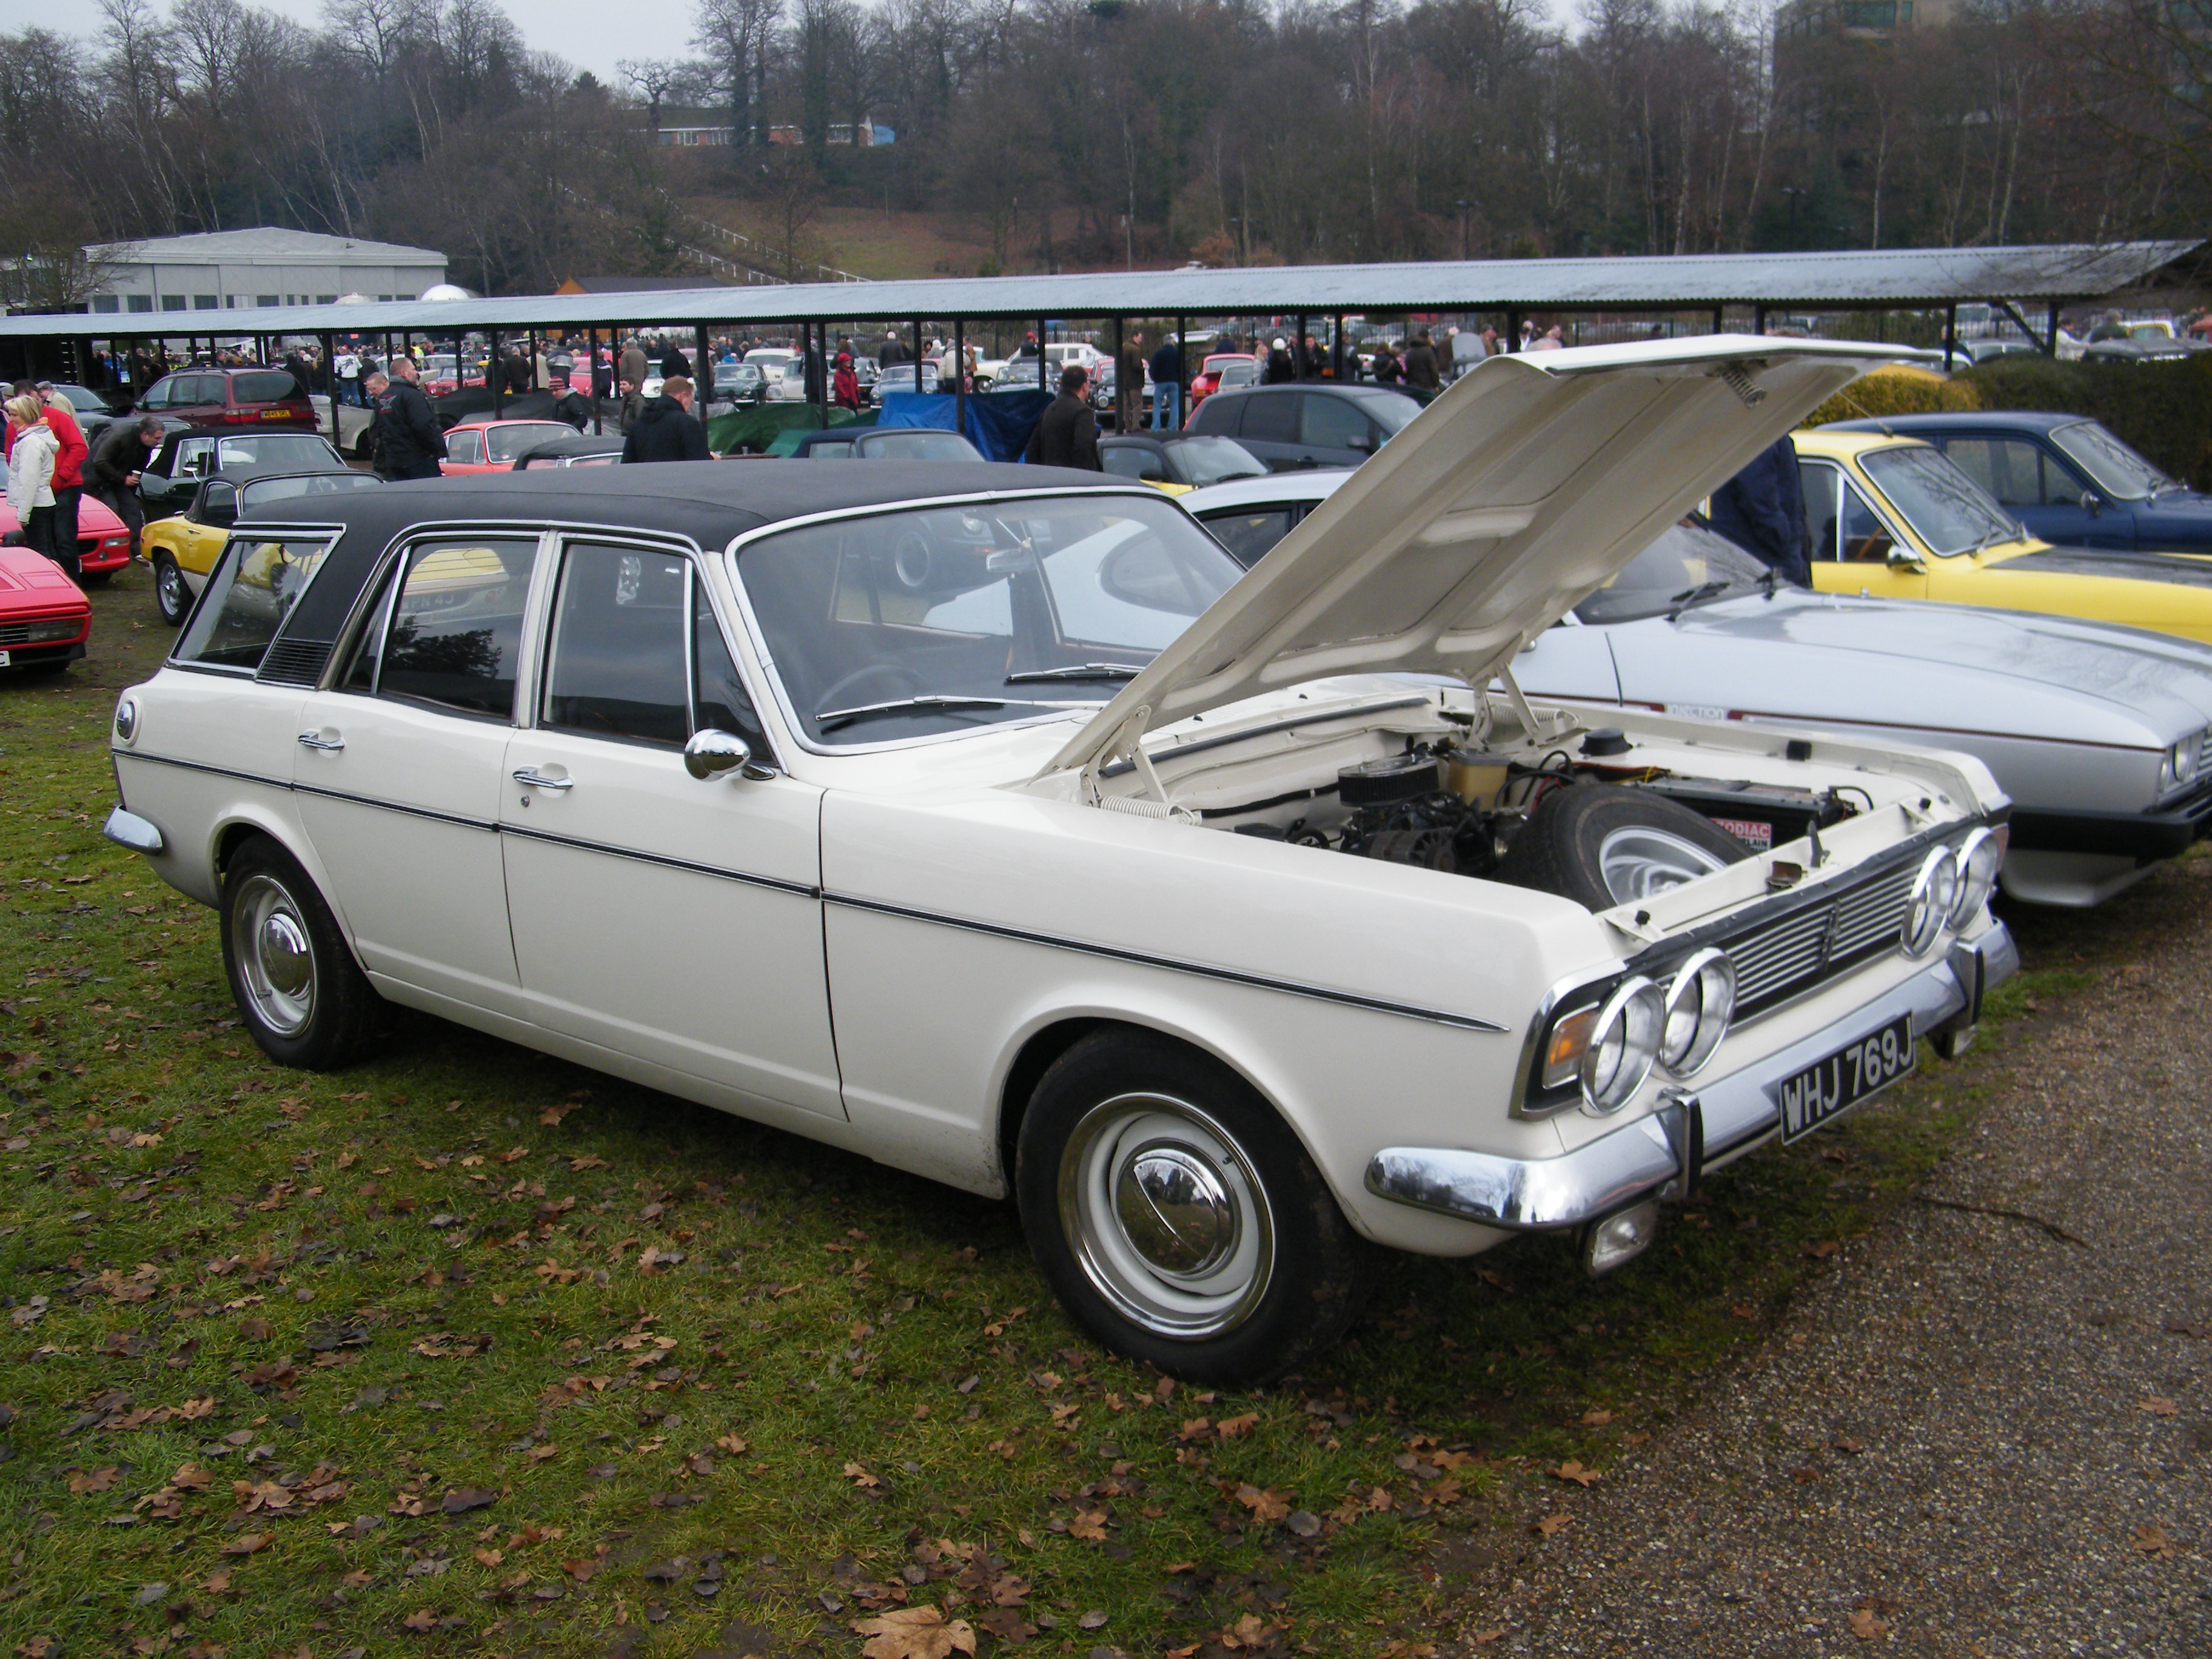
(1490, 515)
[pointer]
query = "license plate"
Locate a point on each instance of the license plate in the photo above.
(6, 660)
(1834, 1086)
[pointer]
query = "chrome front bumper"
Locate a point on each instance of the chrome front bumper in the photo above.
(129, 830)
(1667, 1149)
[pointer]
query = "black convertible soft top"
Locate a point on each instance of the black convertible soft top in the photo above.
(708, 501)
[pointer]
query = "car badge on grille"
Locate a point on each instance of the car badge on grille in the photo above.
(1828, 937)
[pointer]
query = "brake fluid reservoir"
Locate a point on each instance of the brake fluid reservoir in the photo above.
(1476, 777)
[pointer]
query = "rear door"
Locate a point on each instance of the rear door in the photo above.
(1269, 427)
(1332, 432)
(673, 918)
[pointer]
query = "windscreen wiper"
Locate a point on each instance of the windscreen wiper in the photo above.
(1088, 670)
(830, 717)
(1697, 595)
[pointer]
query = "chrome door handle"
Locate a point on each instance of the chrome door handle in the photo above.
(539, 781)
(316, 740)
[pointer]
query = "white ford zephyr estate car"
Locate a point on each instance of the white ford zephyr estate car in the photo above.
(1000, 828)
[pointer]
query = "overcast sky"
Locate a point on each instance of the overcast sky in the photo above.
(589, 34)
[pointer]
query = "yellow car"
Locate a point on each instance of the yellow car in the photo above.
(1895, 517)
(182, 547)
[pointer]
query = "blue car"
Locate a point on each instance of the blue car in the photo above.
(2067, 479)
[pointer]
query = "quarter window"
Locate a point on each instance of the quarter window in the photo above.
(452, 634)
(253, 589)
(1250, 536)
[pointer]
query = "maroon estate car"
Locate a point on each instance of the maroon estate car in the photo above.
(226, 398)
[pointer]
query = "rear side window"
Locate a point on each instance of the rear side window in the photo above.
(452, 635)
(1219, 416)
(262, 387)
(249, 593)
(2015, 471)
(1250, 536)
(1269, 419)
(1331, 424)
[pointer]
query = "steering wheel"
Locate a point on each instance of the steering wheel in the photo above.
(835, 697)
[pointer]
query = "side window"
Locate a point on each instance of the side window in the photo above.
(1130, 461)
(1271, 420)
(2014, 470)
(1332, 423)
(466, 448)
(195, 458)
(1218, 418)
(1250, 536)
(252, 590)
(1823, 493)
(1865, 540)
(454, 632)
(219, 504)
(614, 665)
(722, 703)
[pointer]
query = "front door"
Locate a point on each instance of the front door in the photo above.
(1851, 544)
(656, 913)
(399, 772)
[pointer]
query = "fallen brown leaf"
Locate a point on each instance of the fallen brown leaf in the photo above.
(2153, 1539)
(1575, 1472)
(914, 1633)
(1865, 1626)
(1265, 1504)
(2158, 1406)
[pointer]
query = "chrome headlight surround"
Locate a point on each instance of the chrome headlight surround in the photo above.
(2177, 766)
(1700, 1001)
(1624, 1046)
(1934, 890)
(1980, 856)
(126, 719)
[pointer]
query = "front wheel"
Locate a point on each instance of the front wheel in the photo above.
(1177, 1219)
(303, 997)
(171, 597)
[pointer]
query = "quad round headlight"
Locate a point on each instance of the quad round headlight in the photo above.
(1934, 891)
(2178, 764)
(1700, 1001)
(1623, 1044)
(1979, 855)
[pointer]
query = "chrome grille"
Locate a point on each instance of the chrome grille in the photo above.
(2204, 751)
(1796, 952)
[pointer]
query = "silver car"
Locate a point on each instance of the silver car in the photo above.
(2100, 733)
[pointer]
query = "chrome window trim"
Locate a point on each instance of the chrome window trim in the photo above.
(786, 713)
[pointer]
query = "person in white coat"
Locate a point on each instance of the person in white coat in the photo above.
(30, 452)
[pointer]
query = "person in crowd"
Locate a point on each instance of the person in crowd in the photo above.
(70, 454)
(892, 351)
(667, 429)
(630, 403)
(349, 371)
(1167, 386)
(374, 385)
(1313, 361)
(1420, 364)
(1489, 340)
(113, 472)
(1279, 367)
(1762, 511)
(634, 367)
(411, 443)
(844, 385)
(675, 365)
(31, 450)
(570, 405)
(1129, 382)
(1554, 339)
(1067, 434)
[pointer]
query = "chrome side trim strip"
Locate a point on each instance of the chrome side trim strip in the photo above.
(435, 817)
(774, 882)
(1204, 970)
(121, 755)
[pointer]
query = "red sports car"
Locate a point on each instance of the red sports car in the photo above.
(1208, 379)
(103, 544)
(45, 617)
(490, 445)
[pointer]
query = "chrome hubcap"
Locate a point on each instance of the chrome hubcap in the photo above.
(275, 959)
(1638, 862)
(1166, 1215)
(173, 588)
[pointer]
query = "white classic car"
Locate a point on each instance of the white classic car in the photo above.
(2100, 735)
(999, 828)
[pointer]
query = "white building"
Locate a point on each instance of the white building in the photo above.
(227, 269)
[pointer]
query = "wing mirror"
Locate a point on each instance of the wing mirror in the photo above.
(2090, 504)
(712, 752)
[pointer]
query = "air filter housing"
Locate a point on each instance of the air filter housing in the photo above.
(1387, 782)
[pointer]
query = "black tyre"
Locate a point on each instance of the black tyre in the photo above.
(1601, 845)
(171, 597)
(1177, 1219)
(301, 994)
(94, 578)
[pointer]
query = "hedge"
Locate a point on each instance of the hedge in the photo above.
(2163, 408)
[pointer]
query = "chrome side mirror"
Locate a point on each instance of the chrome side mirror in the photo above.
(711, 752)
(2089, 501)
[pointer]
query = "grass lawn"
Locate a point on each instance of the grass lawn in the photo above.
(470, 1351)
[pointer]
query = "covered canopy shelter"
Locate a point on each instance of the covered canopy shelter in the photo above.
(2016, 280)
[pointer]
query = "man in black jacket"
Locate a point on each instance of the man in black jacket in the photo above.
(1068, 436)
(570, 405)
(407, 438)
(117, 460)
(667, 429)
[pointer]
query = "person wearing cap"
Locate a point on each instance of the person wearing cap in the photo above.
(570, 405)
(845, 384)
(1280, 370)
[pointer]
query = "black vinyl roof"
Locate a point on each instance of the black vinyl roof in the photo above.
(710, 502)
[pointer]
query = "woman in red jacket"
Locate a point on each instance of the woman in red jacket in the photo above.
(68, 469)
(844, 385)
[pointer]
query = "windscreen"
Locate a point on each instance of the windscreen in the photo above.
(259, 494)
(898, 625)
(267, 449)
(1952, 513)
(510, 443)
(917, 445)
(1688, 561)
(2118, 471)
(1217, 461)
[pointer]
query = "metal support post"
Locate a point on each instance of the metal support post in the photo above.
(702, 370)
(917, 354)
(1758, 319)
(1717, 321)
(1950, 335)
(496, 372)
(1120, 384)
(1183, 370)
(2050, 328)
(1513, 331)
(960, 376)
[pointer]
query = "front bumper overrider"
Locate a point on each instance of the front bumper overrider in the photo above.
(1662, 1153)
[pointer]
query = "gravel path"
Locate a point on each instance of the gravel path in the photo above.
(1975, 1437)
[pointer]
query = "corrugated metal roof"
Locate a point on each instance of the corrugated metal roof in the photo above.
(267, 243)
(1903, 276)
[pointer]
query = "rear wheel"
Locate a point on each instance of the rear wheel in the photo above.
(171, 597)
(302, 996)
(1602, 845)
(1177, 1219)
